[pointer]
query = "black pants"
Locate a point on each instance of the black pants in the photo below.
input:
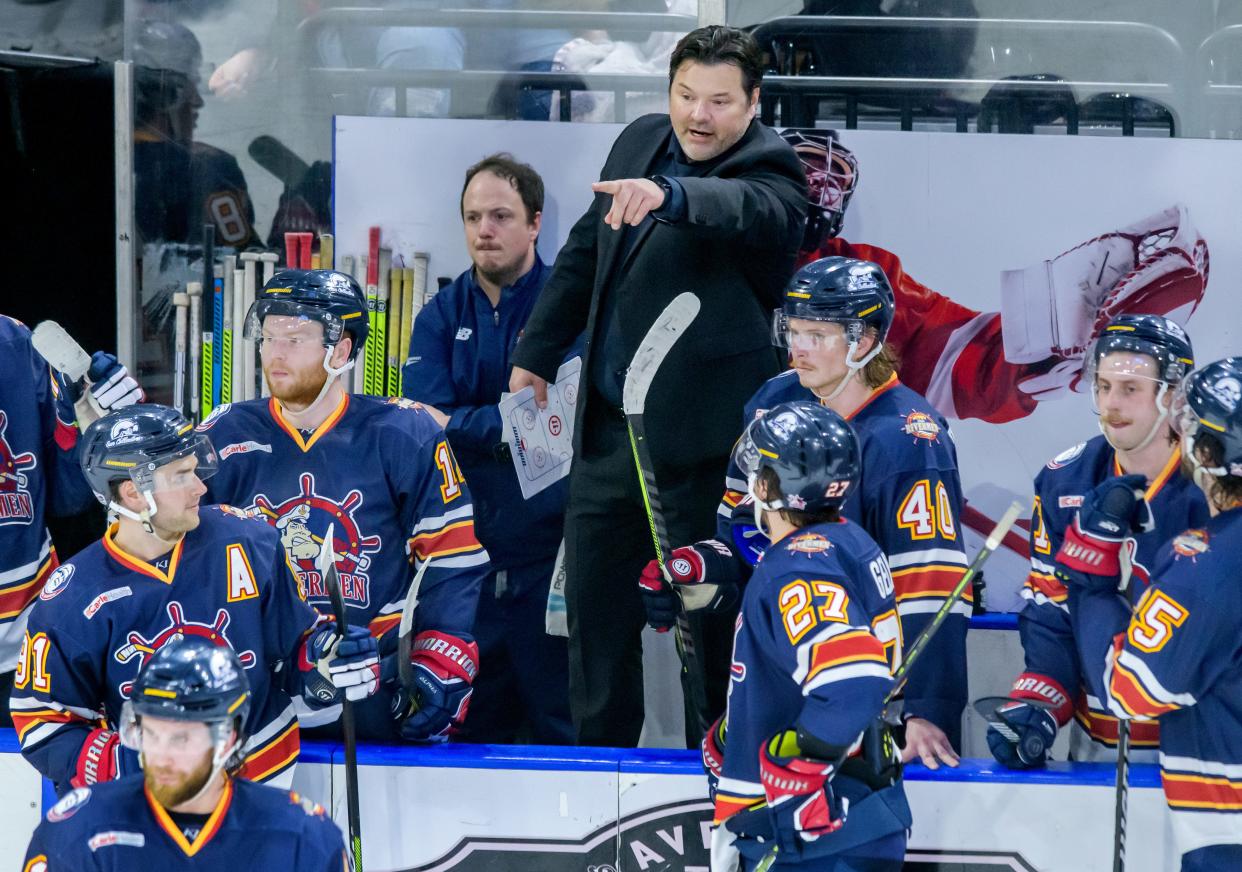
(607, 544)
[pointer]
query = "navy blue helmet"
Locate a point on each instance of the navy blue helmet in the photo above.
(852, 292)
(1208, 416)
(1159, 338)
(132, 443)
(811, 448)
(192, 679)
(334, 299)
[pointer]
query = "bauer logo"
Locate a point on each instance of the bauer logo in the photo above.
(56, 582)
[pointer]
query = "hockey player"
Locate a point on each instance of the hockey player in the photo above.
(997, 365)
(379, 473)
(169, 567)
(186, 719)
(836, 315)
(39, 474)
(1133, 368)
(1175, 656)
(815, 646)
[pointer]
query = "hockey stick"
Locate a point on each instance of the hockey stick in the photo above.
(194, 290)
(67, 357)
(327, 569)
(1122, 795)
(924, 637)
(181, 303)
(670, 325)
(405, 631)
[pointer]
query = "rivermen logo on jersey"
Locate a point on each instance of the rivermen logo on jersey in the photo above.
(16, 504)
(1190, 544)
(142, 648)
(303, 520)
(921, 425)
(809, 543)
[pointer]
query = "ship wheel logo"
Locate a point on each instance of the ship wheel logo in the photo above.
(140, 647)
(303, 520)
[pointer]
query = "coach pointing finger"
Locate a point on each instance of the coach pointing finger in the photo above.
(705, 199)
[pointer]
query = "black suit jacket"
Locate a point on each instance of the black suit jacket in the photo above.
(734, 248)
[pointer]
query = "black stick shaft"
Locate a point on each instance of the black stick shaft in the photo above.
(1122, 795)
(348, 732)
(693, 681)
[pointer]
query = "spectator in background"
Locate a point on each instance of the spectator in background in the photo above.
(708, 200)
(180, 184)
(457, 371)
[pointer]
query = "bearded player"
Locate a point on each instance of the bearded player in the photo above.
(380, 475)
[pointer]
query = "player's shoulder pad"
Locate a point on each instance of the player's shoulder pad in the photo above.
(776, 390)
(223, 521)
(57, 582)
(11, 328)
(1067, 457)
(402, 416)
(307, 805)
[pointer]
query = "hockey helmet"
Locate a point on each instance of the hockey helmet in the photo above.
(333, 299)
(135, 443)
(831, 177)
(1207, 415)
(854, 293)
(812, 450)
(1148, 347)
(191, 679)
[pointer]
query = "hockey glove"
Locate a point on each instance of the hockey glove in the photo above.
(330, 664)
(712, 747)
(444, 670)
(705, 575)
(1020, 734)
(1091, 555)
(104, 758)
(801, 806)
(111, 384)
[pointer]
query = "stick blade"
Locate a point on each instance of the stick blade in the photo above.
(61, 350)
(668, 327)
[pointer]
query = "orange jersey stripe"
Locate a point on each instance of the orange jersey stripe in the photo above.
(926, 581)
(1134, 698)
(274, 757)
(381, 625)
(26, 721)
(1201, 791)
(1039, 582)
(731, 498)
(851, 647)
(728, 806)
(1103, 728)
(456, 538)
(13, 600)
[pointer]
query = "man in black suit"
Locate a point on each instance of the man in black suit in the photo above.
(704, 199)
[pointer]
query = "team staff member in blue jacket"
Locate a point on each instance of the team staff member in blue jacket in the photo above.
(458, 368)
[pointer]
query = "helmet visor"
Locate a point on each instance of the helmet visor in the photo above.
(1120, 370)
(195, 463)
(813, 334)
(287, 325)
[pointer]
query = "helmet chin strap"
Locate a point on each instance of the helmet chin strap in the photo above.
(1162, 414)
(761, 506)
(143, 517)
(333, 374)
(853, 368)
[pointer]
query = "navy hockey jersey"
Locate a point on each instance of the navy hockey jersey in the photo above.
(119, 827)
(39, 475)
(1052, 672)
(103, 614)
(816, 642)
(1179, 658)
(383, 474)
(909, 499)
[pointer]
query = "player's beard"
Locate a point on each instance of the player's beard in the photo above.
(303, 390)
(172, 794)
